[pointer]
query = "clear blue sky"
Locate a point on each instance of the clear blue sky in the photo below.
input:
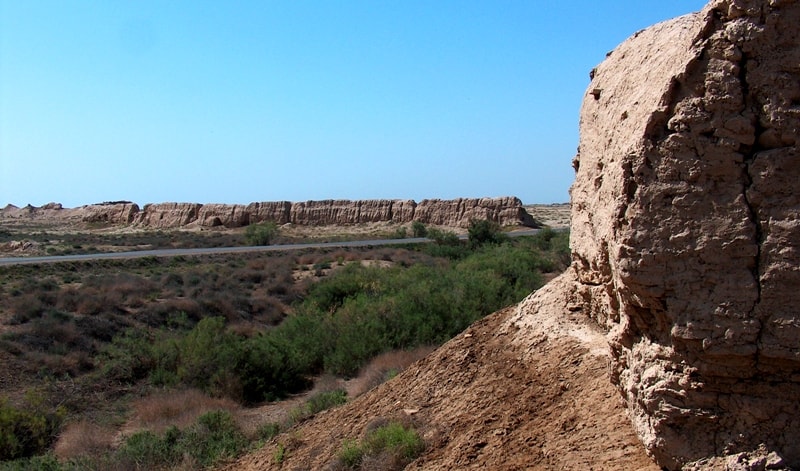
(240, 101)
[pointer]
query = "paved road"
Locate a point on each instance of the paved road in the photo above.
(223, 250)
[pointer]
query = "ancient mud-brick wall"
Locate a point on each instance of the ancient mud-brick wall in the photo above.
(686, 229)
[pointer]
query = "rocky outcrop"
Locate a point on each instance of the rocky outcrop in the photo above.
(686, 236)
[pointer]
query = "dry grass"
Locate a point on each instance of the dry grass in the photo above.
(384, 367)
(179, 408)
(83, 439)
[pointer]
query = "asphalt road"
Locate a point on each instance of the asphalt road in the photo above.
(223, 250)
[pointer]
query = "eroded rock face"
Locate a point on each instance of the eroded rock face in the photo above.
(507, 211)
(122, 212)
(228, 215)
(454, 213)
(458, 212)
(686, 230)
(166, 215)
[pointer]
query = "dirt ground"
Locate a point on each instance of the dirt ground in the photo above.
(485, 401)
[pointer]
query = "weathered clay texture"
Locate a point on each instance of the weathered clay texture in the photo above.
(454, 213)
(166, 215)
(507, 211)
(686, 231)
(112, 213)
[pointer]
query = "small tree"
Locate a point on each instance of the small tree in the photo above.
(419, 229)
(483, 231)
(261, 233)
(443, 237)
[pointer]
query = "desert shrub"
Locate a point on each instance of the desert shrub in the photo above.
(332, 293)
(101, 328)
(148, 450)
(214, 436)
(206, 352)
(360, 312)
(267, 309)
(271, 368)
(390, 446)
(268, 430)
(45, 462)
(443, 237)
(519, 269)
(29, 429)
(261, 233)
(55, 333)
(483, 231)
(129, 357)
(419, 229)
(27, 307)
(317, 403)
(124, 286)
(446, 245)
(556, 243)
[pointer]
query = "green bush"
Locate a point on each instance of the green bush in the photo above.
(207, 354)
(129, 357)
(419, 229)
(148, 450)
(29, 429)
(360, 312)
(261, 233)
(483, 231)
(396, 438)
(400, 444)
(317, 403)
(443, 237)
(352, 453)
(214, 436)
(46, 462)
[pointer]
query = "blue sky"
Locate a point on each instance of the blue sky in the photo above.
(240, 101)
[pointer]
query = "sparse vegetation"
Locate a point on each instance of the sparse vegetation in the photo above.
(391, 446)
(317, 403)
(214, 436)
(239, 329)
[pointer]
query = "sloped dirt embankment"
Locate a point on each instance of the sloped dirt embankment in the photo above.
(525, 388)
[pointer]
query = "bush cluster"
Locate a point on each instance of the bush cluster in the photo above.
(344, 321)
(213, 437)
(393, 444)
(28, 429)
(261, 233)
